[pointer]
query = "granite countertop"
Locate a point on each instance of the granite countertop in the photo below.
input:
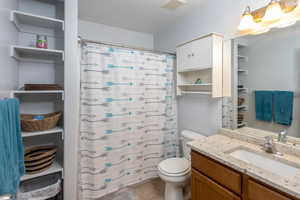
(219, 147)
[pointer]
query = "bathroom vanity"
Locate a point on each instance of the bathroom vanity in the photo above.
(233, 166)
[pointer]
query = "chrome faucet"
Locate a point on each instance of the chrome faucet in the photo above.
(269, 146)
(282, 136)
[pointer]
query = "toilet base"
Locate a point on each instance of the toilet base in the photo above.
(173, 192)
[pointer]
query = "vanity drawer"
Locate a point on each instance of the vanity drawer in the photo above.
(256, 191)
(219, 173)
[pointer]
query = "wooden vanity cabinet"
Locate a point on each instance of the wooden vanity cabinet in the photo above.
(212, 180)
(203, 188)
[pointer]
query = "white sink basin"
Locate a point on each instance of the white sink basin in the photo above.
(263, 162)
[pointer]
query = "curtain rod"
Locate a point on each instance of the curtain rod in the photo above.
(81, 40)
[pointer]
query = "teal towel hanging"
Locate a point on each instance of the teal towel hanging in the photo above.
(264, 105)
(11, 147)
(283, 107)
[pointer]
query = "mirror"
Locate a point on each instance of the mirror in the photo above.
(265, 82)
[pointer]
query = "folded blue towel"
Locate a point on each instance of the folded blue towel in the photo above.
(11, 147)
(264, 105)
(283, 107)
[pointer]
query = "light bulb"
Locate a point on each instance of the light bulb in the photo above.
(273, 12)
(247, 22)
(286, 22)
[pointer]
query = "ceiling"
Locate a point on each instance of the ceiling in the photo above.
(138, 15)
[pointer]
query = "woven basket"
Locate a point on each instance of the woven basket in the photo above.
(29, 124)
(39, 158)
(42, 87)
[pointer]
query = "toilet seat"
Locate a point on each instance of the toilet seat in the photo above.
(175, 167)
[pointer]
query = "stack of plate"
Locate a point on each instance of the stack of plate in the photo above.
(39, 158)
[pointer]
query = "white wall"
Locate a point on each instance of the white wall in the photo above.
(200, 113)
(114, 35)
(8, 36)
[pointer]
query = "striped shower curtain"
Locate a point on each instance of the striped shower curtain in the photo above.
(128, 117)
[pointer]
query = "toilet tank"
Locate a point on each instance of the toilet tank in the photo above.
(188, 136)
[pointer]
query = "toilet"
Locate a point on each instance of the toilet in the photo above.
(175, 172)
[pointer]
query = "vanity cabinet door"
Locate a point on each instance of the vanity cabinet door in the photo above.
(217, 172)
(256, 191)
(204, 188)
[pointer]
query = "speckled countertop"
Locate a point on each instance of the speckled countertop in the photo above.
(219, 147)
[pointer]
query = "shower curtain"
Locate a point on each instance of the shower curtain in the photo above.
(128, 117)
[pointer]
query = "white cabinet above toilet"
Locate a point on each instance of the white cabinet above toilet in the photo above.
(200, 66)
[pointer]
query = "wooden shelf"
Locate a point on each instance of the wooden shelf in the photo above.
(37, 91)
(19, 18)
(32, 53)
(39, 133)
(55, 168)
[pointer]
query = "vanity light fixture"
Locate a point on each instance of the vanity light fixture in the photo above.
(296, 11)
(247, 22)
(273, 12)
(277, 14)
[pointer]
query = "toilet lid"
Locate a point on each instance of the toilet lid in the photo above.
(174, 165)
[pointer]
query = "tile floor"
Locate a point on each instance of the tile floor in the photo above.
(150, 190)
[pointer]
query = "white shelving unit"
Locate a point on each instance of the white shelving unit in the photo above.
(40, 133)
(20, 18)
(241, 74)
(55, 168)
(48, 64)
(201, 59)
(31, 53)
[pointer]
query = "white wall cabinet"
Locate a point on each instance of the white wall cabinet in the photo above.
(201, 59)
(195, 54)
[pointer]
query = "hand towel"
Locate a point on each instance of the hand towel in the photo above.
(264, 105)
(283, 107)
(11, 147)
